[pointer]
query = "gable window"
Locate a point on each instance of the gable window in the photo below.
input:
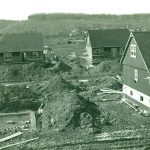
(133, 50)
(7, 56)
(135, 75)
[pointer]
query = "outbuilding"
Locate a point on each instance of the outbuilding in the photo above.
(21, 48)
(103, 44)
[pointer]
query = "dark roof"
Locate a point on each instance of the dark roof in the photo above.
(109, 37)
(143, 42)
(21, 42)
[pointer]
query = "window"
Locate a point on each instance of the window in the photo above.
(35, 55)
(133, 51)
(131, 93)
(135, 75)
(7, 56)
(141, 98)
(98, 53)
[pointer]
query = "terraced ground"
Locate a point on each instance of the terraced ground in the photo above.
(124, 139)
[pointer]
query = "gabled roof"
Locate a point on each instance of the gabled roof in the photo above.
(143, 42)
(108, 38)
(21, 42)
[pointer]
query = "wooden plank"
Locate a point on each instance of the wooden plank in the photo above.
(130, 105)
(15, 114)
(19, 143)
(33, 120)
(11, 136)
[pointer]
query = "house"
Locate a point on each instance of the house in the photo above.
(102, 44)
(136, 70)
(21, 48)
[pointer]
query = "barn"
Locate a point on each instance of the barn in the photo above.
(103, 44)
(136, 70)
(21, 48)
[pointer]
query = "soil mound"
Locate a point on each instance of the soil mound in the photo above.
(55, 85)
(66, 109)
(107, 66)
(30, 72)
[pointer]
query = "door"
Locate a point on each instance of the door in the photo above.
(114, 52)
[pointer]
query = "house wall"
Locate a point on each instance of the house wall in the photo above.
(34, 56)
(135, 97)
(15, 57)
(129, 65)
(140, 87)
(18, 57)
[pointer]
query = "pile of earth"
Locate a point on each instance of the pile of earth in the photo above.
(107, 66)
(64, 107)
(54, 85)
(68, 109)
(29, 95)
(31, 72)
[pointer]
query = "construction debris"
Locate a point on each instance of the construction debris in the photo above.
(19, 143)
(109, 91)
(11, 136)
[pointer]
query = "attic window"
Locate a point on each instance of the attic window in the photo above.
(135, 75)
(133, 50)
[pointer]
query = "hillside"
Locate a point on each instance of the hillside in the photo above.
(63, 24)
(59, 28)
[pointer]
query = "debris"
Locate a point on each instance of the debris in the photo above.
(11, 136)
(19, 143)
(110, 91)
(83, 80)
(118, 79)
(10, 122)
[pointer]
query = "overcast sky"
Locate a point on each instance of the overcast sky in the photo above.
(20, 9)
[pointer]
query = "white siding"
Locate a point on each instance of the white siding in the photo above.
(136, 95)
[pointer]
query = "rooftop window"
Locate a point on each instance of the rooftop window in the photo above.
(133, 50)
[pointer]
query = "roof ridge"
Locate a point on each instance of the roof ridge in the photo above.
(141, 32)
(106, 29)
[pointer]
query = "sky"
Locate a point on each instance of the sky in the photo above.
(21, 9)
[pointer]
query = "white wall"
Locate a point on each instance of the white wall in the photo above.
(136, 95)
